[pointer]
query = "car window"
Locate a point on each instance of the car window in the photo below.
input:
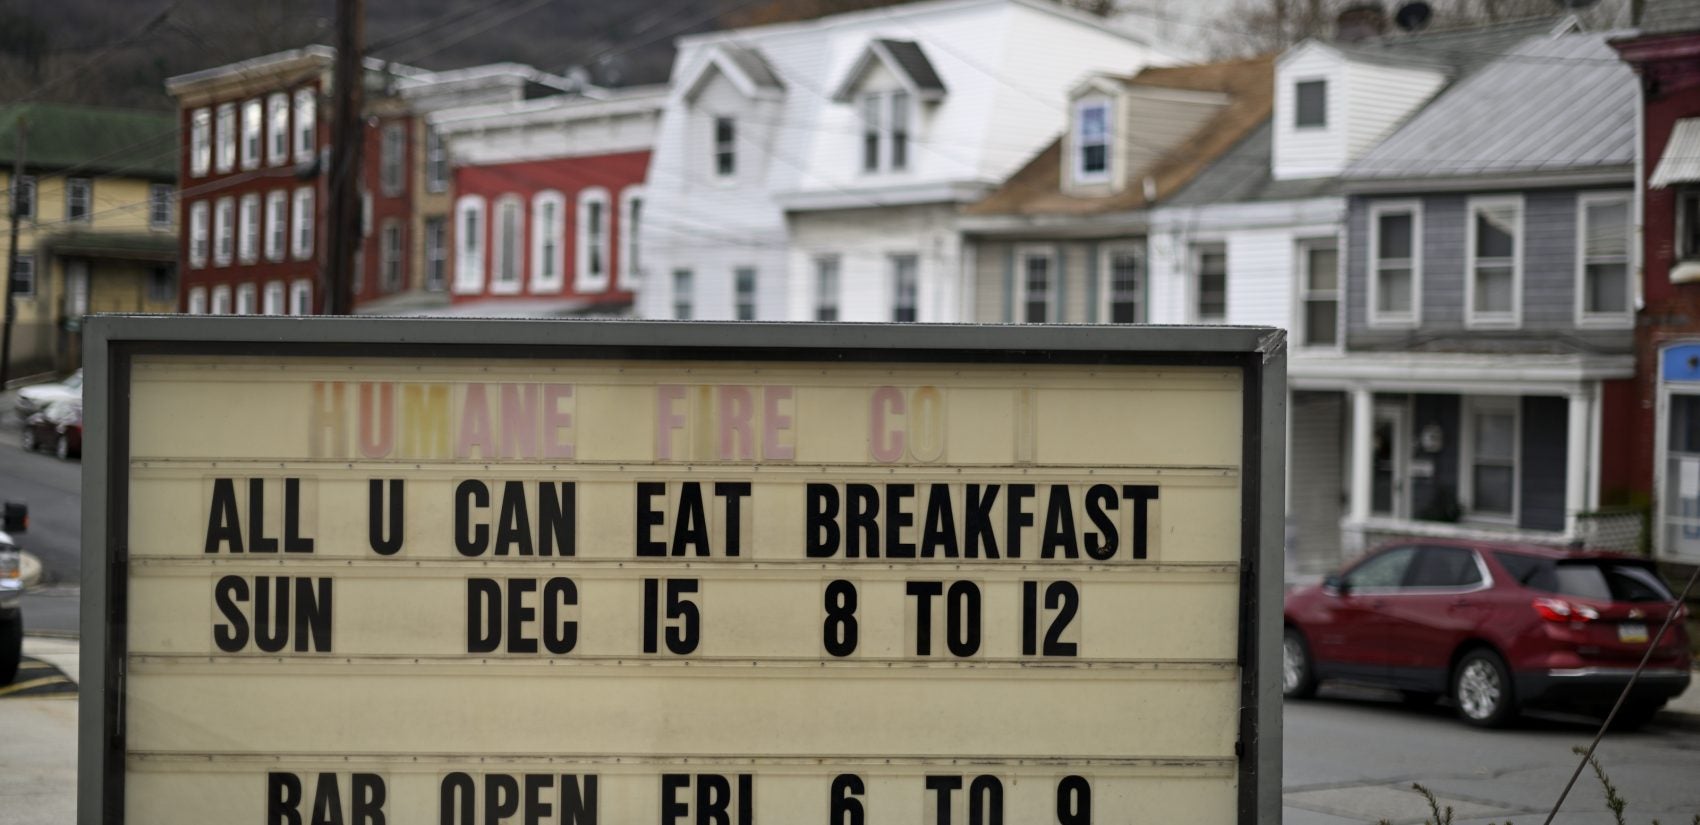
(1610, 581)
(1385, 569)
(1444, 567)
(1526, 570)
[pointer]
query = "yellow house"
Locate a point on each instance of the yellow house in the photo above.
(96, 223)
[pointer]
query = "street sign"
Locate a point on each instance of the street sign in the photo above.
(374, 571)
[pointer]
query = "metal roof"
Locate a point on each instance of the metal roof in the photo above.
(1455, 51)
(915, 64)
(1556, 104)
(1680, 162)
(1244, 174)
(93, 140)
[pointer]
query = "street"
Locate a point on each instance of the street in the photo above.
(53, 490)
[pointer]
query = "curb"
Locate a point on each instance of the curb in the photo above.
(29, 570)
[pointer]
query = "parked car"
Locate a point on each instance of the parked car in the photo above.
(58, 427)
(15, 518)
(32, 400)
(1495, 627)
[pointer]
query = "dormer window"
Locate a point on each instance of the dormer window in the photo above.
(1092, 140)
(725, 147)
(1310, 104)
(885, 131)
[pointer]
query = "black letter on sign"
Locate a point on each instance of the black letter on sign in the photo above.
(368, 799)
(501, 796)
(234, 636)
(896, 519)
(734, 492)
(1142, 495)
(559, 635)
(924, 592)
(271, 626)
(671, 807)
(821, 541)
(682, 638)
(327, 801)
(558, 518)
(293, 541)
(1100, 497)
(456, 785)
(714, 793)
(1061, 596)
(861, 520)
(381, 544)
(513, 527)
(1016, 517)
(985, 801)
(257, 518)
(578, 806)
(648, 517)
(223, 525)
(962, 624)
(519, 615)
(470, 539)
(945, 786)
(839, 631)
(536, 809)
(283, 798)
(690, 526)
(1074, 801)
(847, 789)
(313, 614)
(483, 615)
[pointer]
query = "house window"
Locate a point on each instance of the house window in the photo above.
(885, 120)
(1604, 237)
(1310, 103)
(1038, 287)
(273, 303)
(905, 287)
(159, 205)
(306, 112)
(246, 302)
(744, 287)
(826, 288)
(1210, 284)
(23, 276)
(277, 224)
(682, 294)
(225, 158)
(277, 129)
(224, 231)
(436, 162)
(1490, 456)
(631, 220)
(303, 220)
(1319, 293)
(899, 131)
(365, 213)
(389, 256)
(248, 242)
(725, 147)
(548, 231)
(870, 133)
(301, 297)
(593, 239)
(252, 124)
(1124, 291)
(200, 142)
(221, 300)
(1092, 141)
(1397, 258)
(1494, 251)
(198, 243)
(510, 235)
(392, 153)
(436, 254)
(23, 195)
(162, 284)
(198, 300)
(1688, 224)
(469, 244)
(79, 197)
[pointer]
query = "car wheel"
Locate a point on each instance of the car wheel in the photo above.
(1482, 690)
(62, 448)
(11, 648)
(29, 440)
(1298, 672)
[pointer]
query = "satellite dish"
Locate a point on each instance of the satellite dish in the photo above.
(1414, 16)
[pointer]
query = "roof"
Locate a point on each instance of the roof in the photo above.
(1680, 162)
(92, 140)
(1670, 16)
(128, 246)
(1245, 173)
(753, 65)
(914, 63)
(1457, 51)
(1549, 105)
(897, 14)
(905, 58)
(1037, 187)
(315, 56)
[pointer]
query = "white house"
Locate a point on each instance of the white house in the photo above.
(814, 170)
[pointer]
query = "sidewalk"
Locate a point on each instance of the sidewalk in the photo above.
(38, 751)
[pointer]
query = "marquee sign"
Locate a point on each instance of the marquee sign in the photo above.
(398, 571)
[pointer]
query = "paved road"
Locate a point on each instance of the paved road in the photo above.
(1352, 757)
(53, 489)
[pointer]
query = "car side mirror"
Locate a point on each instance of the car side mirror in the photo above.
(1336, 583)
(15, 517)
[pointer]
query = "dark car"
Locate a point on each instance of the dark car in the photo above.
(59, 427)
(1495, 627)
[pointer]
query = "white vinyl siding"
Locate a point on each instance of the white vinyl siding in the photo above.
(200, 142)
(199, 243)
(508, 245)
(277, 224)
(592, 259)
(303, 220)
(1493, 269)
(1605, 293)
(277, 129)
(469, 245)
(248, 237)
(1395, 264)
(548, 234)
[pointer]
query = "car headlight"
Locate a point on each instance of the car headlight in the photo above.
(11, 562)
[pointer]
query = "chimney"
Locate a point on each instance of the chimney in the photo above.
(1359, 22)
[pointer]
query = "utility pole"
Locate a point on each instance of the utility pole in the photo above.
(347, 139)
(17, 190)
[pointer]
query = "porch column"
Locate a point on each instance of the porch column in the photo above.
(1578, 455)
(1363, 453)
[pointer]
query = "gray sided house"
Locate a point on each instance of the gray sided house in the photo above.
(1490, 305)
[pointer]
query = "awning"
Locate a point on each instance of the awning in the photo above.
(1681, 161)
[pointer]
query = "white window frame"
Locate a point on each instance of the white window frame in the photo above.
(26, 273)
(1077, 147)
(1195, 280)
(716, 148)
(1106, 282)
(392, 247)
(159, 205)
(392, 159)
(277, 224)
(301, 294)
(436, 162)
(1373, 291)
(499, 254)
(547, 232)
(224, 231)
(302, 222)
(1302, 294)
(271, 301)
(470, 246)
(1474, 319)
(200, 241)
(248, 228)
(200, 142)
(79, 189)
(741, 298)
(436, 243)
(887, 107)
(247, 299)
(220, 300)
(252, 143)
(224, 138)
(277, 129)
(684, 305)
(1605, 320)
(897, 302)
(584, 278)
(632, 202)
(1024, 254)
(197, 302)
(305, 124)
(1300, 127)
(1513, 405)
(828, 296)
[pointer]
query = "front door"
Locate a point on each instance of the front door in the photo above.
(1387, 469)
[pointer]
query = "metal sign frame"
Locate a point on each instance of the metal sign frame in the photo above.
(112, 342)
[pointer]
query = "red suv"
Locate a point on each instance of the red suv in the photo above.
(1496, 627)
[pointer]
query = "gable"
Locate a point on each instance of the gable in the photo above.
(743, 68)
(885, 59)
